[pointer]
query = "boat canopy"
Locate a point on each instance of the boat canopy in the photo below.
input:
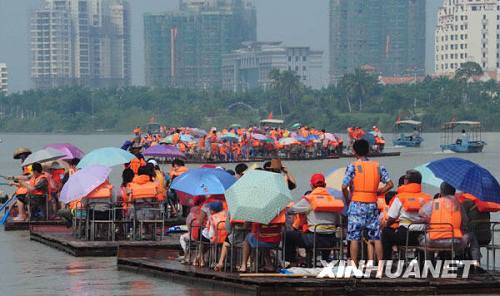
(408, 122)
(271, 122)
(453, 124)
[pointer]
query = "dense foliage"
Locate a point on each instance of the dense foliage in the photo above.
(358, 99)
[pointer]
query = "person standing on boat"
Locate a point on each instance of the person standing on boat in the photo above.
(361, 184)
(464, 137)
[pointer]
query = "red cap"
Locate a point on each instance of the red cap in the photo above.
(318, 180)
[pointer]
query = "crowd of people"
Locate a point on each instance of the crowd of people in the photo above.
(370, 212)
(236, 143)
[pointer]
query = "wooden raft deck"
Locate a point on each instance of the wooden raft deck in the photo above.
(310, 286)
(11, 225)
(61, 238)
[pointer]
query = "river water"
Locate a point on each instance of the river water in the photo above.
(29, 268)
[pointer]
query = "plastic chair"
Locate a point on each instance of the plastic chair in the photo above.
(92, 222)
(493, 247)
(449, 228)
(79, 220)
(280, 247)
(337, 245)
(148, 205)
(121, 221)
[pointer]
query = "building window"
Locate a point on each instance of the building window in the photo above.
(296, 68)
(303, 68)
(289, 58)
(296, 58)
(304, 78)
(484, 54)
(484, 65)
(304, 58)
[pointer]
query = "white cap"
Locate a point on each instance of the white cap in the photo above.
(152, 161)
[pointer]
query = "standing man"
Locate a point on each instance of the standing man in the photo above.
(361, 180)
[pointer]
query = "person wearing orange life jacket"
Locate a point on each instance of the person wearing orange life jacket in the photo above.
(265, 236)
(178, 168)
(404, 210)
(362, 180)
(213, 230)
(138, 161)
(444, 210)
(318, 207)
(38, 190)
(194, 226)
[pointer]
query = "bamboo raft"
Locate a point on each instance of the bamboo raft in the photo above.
(11, 225)
(296, 285)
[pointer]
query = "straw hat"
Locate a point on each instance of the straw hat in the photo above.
(21, 150)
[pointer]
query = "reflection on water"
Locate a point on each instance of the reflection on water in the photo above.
(30, 268)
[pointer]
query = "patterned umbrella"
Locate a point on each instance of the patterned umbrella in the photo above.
(70, 150)
(167, 151)
(230, 137)
(468, 177)
(108, 156)
(258, 196)
(44, 155)
(83, 182)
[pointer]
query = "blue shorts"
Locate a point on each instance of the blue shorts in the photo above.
(253, 242)
(363, 216)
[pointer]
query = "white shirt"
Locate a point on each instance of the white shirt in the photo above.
(406, 218)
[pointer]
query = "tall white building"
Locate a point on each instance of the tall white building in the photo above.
(4, 80)
(249, 67)
(467, 31)
(85, 42)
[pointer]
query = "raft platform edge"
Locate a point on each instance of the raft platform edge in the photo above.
(312, 286)
(26, 225)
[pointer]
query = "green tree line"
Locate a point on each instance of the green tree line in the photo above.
(357, 100)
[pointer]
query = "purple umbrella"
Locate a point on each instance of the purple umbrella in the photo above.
(259, 137)
(83, 182)
(167, 151)
(70, 150)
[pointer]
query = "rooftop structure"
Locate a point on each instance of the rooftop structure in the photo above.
(4, 81)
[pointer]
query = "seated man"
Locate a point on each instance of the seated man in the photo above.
(404, 208)
(38, 190)
(263, 236)
(320, 208)
(447, 211)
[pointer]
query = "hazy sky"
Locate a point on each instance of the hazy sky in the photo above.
(296, 22)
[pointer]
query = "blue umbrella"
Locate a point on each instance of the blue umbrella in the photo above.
(186, 138)
(108, 156)
(300, 139)
(203, 181)
(312, 138)
(468, 177)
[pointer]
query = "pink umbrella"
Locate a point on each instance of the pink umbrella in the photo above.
(70, 150)
(259, 137)
(167, 151)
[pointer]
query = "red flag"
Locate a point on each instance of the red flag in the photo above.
(270, 115)
(398, 118)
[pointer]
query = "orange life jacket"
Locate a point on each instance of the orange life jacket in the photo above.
(142, 188)
(482, 206)
(105, 190)
(270, 233)
(33, 181)
(136, 163)
(412, 198)
(217, 224)
(175, 138)
(321, 201)
(445, 210)
(366, 180)
(195, 224)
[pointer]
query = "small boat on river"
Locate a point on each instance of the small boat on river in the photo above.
(468, 141)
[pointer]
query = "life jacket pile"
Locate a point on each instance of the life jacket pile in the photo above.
(445, 213)
(365, 182)
(482, 206)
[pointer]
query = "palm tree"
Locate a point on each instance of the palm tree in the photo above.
(287, 84)
(358, 85)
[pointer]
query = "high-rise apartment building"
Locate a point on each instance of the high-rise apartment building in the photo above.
(388, 35)
(184, 48)
(249, 67)
(84, 42)
(467, 31)
(4, 79)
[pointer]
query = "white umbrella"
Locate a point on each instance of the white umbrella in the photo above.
(44, 155)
